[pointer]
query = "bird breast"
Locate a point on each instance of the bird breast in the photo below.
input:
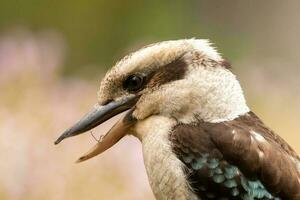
(164, 169)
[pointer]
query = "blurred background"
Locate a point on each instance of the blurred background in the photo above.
(53, 56)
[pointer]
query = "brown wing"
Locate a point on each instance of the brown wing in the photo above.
(261, 157)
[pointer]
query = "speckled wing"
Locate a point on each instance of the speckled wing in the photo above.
(238, 159)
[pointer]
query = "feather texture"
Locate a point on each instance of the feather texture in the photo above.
(237, 159)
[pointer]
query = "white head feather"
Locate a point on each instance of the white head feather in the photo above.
(208, 91)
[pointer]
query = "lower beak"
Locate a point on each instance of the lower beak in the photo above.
(119, 130)
(98, 115)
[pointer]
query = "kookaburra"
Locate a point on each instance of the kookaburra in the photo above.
(200, 139)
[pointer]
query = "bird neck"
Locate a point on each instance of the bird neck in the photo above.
(217, 95)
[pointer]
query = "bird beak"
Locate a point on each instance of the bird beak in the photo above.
(98, 115)
(119, 130)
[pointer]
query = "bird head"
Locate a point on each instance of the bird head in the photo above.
(186, 80)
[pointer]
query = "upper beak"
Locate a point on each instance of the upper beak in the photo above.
(100, 114)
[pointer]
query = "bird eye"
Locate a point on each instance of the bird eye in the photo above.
(133, 83)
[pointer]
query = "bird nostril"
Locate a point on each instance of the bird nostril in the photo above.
(107, 102)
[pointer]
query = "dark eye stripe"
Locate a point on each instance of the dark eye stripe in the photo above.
(168, 73)
(165, 74)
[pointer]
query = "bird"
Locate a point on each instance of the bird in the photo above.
(200, 140)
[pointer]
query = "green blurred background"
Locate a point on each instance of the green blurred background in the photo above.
(53, 55)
